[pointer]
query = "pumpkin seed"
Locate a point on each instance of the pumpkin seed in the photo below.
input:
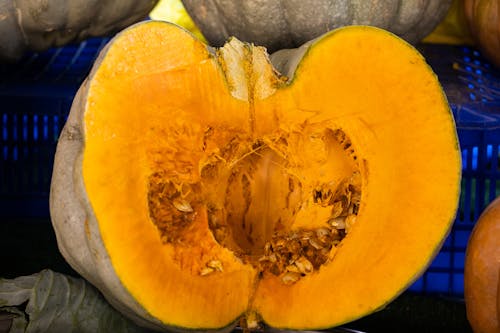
(206, 271)
(292, 268)
(304, 266)
(215, 264)
(337, 223)
(349, 222)
(315, 244)
(182, 205)
(337, 209)
(290, 277)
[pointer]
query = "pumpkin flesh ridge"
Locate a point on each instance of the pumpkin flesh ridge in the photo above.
(148, 268)
(401, 129)
(203, 189)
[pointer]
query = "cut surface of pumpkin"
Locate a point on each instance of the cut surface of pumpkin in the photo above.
(218, 188)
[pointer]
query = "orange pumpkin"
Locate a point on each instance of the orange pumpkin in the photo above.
(483, 17)
(482, 271)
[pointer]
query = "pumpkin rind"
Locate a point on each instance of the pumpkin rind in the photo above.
(154, 97)
(38, 25)
(288, 24)
(498, 297)
(77, 237)
(481, 273)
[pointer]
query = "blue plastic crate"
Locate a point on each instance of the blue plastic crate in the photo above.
(472, 86)
(35, 98)
(36, 95)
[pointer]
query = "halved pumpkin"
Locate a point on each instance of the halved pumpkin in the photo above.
(195, 186)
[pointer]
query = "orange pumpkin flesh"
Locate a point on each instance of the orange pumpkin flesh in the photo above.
(481, 274)
(193, 162)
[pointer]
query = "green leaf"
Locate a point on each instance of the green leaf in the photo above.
(59, 303)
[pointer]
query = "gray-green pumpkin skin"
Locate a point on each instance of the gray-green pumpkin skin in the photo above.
(279, 24)
(40, 24)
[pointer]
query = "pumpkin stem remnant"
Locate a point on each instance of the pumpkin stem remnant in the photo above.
(250, 322)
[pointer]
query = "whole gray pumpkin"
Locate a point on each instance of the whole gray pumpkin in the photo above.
(279, 24)
(40, 24)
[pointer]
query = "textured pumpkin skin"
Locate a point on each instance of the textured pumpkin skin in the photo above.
(288, 24)
(482, 272)
(38, 25)
(75, 224)
(483, 17)
(88, 246)
(498, 297)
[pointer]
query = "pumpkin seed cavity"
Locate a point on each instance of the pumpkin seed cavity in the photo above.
(253, 193)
